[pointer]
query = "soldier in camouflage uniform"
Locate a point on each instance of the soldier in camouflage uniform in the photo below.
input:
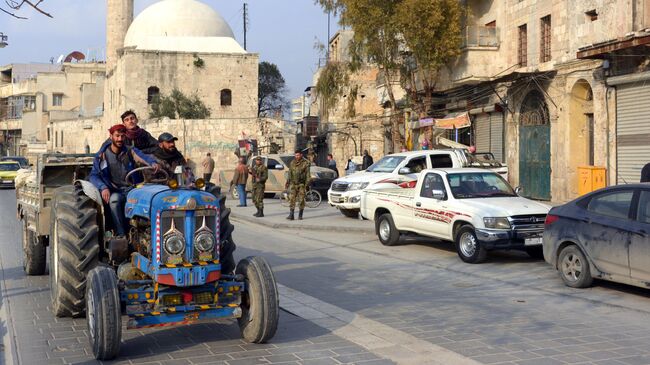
(260, 174)
(297, 182)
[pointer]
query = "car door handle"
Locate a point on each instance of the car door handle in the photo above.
(418, 204)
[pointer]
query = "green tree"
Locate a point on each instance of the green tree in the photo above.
(271, 89)
(178, 106)
(404, 38)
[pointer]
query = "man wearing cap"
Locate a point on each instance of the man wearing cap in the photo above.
(112, 163)
(297, 183)
(167, 155)
(259, 173)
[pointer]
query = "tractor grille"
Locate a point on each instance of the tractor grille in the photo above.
(339, 186)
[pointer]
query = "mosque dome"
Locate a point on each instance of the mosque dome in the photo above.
(181, 26)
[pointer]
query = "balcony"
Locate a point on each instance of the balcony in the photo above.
(480, 36)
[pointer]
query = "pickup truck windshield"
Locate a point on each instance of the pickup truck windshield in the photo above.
(479, 185)
(386, 164)
(9, 167)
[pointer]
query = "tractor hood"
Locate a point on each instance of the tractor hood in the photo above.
(148, 200)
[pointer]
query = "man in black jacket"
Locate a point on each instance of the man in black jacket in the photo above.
(136, 136)
(367, 160)
(645, 173)
(166, 153)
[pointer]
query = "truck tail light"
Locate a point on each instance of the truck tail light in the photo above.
(550, 219)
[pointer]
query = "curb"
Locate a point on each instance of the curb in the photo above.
(9, 355)
(308, 227)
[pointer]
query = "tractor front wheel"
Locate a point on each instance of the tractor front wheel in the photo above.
(260, 300)
(103, 313)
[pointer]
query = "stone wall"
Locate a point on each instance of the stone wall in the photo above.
(195, 137)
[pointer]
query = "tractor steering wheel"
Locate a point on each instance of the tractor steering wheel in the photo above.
(146, 168)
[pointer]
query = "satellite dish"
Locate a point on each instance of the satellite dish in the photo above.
(60, 59)
(76, 55)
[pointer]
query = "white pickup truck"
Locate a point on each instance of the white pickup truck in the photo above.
(391, 170)
(474, 208)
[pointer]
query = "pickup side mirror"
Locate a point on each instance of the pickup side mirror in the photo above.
(405, 171)
(519, 190)
(279, 167)
(439, 194)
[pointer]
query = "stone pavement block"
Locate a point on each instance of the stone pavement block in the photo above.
(316, 354)
(322, 361)
(354, 358)
(248, 361)
(282, 358)
(494, 359)
(635, 360)
(572, 358)
(541, 361)
(525, 355)
(376, 362)
(348, 350)
(190, 353)
(210, 359)
(546, 352)
(600, 355)
(247, 354)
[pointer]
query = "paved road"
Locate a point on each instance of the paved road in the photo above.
(347, 299)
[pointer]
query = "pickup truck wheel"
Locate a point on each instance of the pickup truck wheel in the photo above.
(350, 213)
(104, 317)
(260, 300)
(386, 231)
(574, 268)
(468, 246)
(74, 249)
(34, 252)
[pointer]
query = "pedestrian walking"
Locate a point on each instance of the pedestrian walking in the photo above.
(259, 175)
(239, 181)
(297, 183)
(351, 167)
(367, 160)
(208, 167)
(331, 164)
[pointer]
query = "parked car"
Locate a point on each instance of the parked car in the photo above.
(8, 171)
(278, 165)
(474, 208)
(604, 234)
(24, 163)
(345, 193)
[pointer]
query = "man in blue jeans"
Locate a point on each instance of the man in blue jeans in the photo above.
(239, 181)
(112, 163)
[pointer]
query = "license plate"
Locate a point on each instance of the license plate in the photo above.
(533, 241)
(7, 181)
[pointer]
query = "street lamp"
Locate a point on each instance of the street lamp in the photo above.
(3, 40)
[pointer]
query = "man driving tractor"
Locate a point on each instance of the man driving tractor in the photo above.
(111, 165)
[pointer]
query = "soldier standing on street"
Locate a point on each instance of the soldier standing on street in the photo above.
(297, 182)
(260, 173)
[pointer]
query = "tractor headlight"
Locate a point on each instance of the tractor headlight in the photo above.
(174, 244)
(204, 241)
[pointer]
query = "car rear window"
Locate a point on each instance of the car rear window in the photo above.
(441, 161)
(614, 204)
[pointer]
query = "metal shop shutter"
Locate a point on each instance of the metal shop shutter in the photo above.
(632, 131)
(496, 136)
(482, 130)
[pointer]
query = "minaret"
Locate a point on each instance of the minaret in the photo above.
(119, 15)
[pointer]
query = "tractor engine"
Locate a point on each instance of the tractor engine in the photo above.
(140, 236)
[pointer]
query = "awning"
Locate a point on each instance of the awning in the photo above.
(450, 121)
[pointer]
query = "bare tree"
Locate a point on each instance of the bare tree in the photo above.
(11, 7)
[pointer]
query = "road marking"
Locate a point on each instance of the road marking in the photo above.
(378, 338)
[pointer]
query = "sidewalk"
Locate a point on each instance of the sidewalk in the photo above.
(322, 218)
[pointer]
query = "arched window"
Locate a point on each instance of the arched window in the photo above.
(152, 93)
(226, 97)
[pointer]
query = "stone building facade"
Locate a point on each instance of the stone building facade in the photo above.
(520, 78)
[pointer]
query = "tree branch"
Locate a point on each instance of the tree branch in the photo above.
(15, 5)
(12, 14)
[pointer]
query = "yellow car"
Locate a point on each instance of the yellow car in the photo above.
(8, 170)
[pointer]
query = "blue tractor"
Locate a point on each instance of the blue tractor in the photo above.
(175, 266)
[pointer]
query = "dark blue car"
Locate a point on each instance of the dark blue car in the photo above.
(604, 234)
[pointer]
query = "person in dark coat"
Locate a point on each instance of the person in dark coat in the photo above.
(167, 155)
(367, 160)
(331, 164)
(136, 136)
(645, 173)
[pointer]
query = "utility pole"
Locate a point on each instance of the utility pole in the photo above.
(245, 23)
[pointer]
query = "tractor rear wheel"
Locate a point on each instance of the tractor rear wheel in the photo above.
(33, 252)
(103, 313)
(74, 249)
(260, 300)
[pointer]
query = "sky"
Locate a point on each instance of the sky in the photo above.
(283, 32)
